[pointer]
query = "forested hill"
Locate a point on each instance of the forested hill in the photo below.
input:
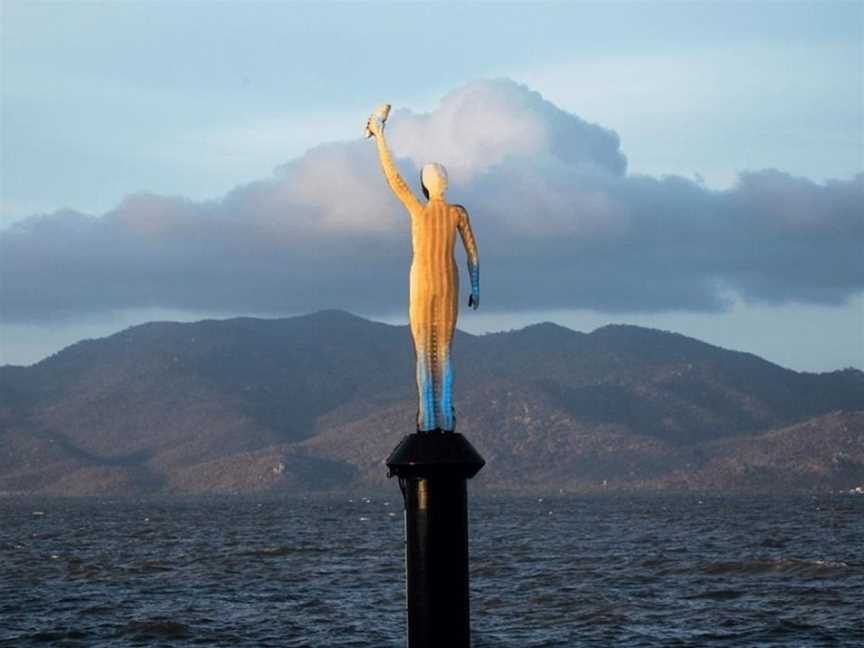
(317, 402)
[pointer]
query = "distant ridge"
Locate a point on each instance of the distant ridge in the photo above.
(315, 403)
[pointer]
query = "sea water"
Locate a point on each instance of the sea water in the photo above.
(617, 570)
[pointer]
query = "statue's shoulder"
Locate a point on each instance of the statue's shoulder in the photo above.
(460, 210)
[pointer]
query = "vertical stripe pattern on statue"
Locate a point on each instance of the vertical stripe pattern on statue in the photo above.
(434, 290)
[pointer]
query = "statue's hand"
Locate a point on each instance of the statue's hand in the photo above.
(373, 126)
(474, 300)
(375, 123)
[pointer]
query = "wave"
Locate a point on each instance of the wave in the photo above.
(156, 628)
(796, 566)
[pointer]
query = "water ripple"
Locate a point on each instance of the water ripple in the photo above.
(592, 571)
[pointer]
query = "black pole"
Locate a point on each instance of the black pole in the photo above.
(432, 468)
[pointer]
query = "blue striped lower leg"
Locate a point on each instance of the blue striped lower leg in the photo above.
(447, 418)
(426, 419)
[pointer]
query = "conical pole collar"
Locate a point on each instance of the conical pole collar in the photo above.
(434, 454)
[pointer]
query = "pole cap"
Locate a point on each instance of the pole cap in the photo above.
(434, 454)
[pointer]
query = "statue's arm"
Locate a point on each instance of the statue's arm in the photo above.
(397, 184)
(470, 243)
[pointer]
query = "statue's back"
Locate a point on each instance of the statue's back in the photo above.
(434, 281)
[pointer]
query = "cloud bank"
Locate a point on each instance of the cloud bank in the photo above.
(560, 224)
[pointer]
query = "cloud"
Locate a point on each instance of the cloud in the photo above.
(559, 221)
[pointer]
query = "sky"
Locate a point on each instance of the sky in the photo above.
(694, 167)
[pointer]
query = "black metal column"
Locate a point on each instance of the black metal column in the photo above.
(433, 468)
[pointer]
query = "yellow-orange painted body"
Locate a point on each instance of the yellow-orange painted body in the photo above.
(434, 284)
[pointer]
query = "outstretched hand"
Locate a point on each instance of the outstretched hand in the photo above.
(374, 125)
(474, 301)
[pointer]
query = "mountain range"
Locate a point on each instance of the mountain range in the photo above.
(315, 404)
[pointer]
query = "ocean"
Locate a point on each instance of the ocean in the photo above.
(612, 570)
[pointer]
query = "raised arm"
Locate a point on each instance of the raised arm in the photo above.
(397, 184)
(464, 226)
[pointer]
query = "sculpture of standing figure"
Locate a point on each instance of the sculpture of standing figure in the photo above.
(434, 280)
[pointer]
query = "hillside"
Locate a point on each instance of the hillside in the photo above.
(317, 402)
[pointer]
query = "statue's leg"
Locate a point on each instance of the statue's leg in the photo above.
(447, 326)
(425, 394)
(423, 349)
(447, 413)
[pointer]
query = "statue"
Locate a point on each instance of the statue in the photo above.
(434, 279)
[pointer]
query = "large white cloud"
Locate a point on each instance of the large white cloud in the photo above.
(559, 222)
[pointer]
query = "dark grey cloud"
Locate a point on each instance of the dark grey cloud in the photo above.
(559, 221)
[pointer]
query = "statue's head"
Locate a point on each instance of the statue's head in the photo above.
(433, 179)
